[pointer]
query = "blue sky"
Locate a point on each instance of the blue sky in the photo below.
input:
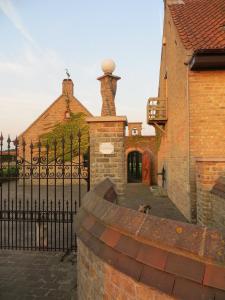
(39, 39)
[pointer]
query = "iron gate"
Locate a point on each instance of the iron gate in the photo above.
(41, 185)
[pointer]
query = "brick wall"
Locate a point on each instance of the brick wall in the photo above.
(207, 173)
(134, 125)
(195, 126)
(207, 121)
(97, 280)
(173, 152)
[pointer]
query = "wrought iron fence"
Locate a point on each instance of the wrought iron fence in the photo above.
(41, 185)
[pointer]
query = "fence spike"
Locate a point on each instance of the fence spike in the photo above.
(8, 141)
(1, 137)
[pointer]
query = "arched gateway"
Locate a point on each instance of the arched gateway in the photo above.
(141, 155)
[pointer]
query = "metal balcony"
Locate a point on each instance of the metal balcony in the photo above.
(156, 111)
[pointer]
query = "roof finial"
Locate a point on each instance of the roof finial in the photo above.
(67, 73)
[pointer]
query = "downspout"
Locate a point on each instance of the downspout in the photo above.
(188, 139)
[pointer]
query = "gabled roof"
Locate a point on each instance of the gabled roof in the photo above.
(47, 109)
(200, 23)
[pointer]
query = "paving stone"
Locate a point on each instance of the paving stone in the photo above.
(137, 194)
(27, 275)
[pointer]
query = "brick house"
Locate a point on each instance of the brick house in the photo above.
(57, 112)
(189, 112)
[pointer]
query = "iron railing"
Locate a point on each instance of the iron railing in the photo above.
(41, 185)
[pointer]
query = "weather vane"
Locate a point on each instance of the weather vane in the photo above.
(67, 73)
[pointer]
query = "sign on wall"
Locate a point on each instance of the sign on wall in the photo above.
(106, 148)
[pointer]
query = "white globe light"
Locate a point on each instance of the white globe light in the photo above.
(108, 66)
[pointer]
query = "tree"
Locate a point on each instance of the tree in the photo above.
(63, 140)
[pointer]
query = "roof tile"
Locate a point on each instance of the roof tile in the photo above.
(215, 277)
(185, 267)
(110, 237)
(157, 279)
(152, 256)
(200, 23)
(189, 290)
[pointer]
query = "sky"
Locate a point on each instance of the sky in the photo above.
(40, 39)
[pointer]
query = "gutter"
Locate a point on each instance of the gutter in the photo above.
(207, 59)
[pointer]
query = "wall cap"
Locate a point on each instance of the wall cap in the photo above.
(210, 159)
(107, 119)
(144, 246)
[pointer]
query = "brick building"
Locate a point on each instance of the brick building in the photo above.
(57, 112)
(189, 112)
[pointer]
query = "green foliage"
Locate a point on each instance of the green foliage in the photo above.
(7, 173)
(7, 157)
(67, 133)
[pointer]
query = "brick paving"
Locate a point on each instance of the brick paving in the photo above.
(137, 194)
(26, 275)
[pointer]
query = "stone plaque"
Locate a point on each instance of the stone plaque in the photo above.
(106, 148)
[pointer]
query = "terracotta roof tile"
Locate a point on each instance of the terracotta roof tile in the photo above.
(157, 279)
(200, 23)
(129, 266)
(189, 290)
(110, 237)
(215, 277)
(127, 246)
(185, 267)
(152, 256)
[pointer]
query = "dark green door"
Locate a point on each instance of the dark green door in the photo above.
(134, 167)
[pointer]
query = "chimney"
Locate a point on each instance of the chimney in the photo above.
(108, 88)
(67, 87)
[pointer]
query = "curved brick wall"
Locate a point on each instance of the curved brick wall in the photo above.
(124, 254)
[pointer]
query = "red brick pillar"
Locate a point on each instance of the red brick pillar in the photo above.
(107, 150)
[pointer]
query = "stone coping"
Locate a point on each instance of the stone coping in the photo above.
(219, 188)
(107, 119)
(108, 75)
(160, 253)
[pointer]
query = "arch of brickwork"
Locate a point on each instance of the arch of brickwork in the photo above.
(146, 145)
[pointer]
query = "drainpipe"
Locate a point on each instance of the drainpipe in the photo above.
(188, 137)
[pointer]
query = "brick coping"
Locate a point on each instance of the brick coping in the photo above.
(107, 119)
(210, 159)
(159, 253)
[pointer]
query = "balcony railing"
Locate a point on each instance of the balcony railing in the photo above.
(157, 111)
